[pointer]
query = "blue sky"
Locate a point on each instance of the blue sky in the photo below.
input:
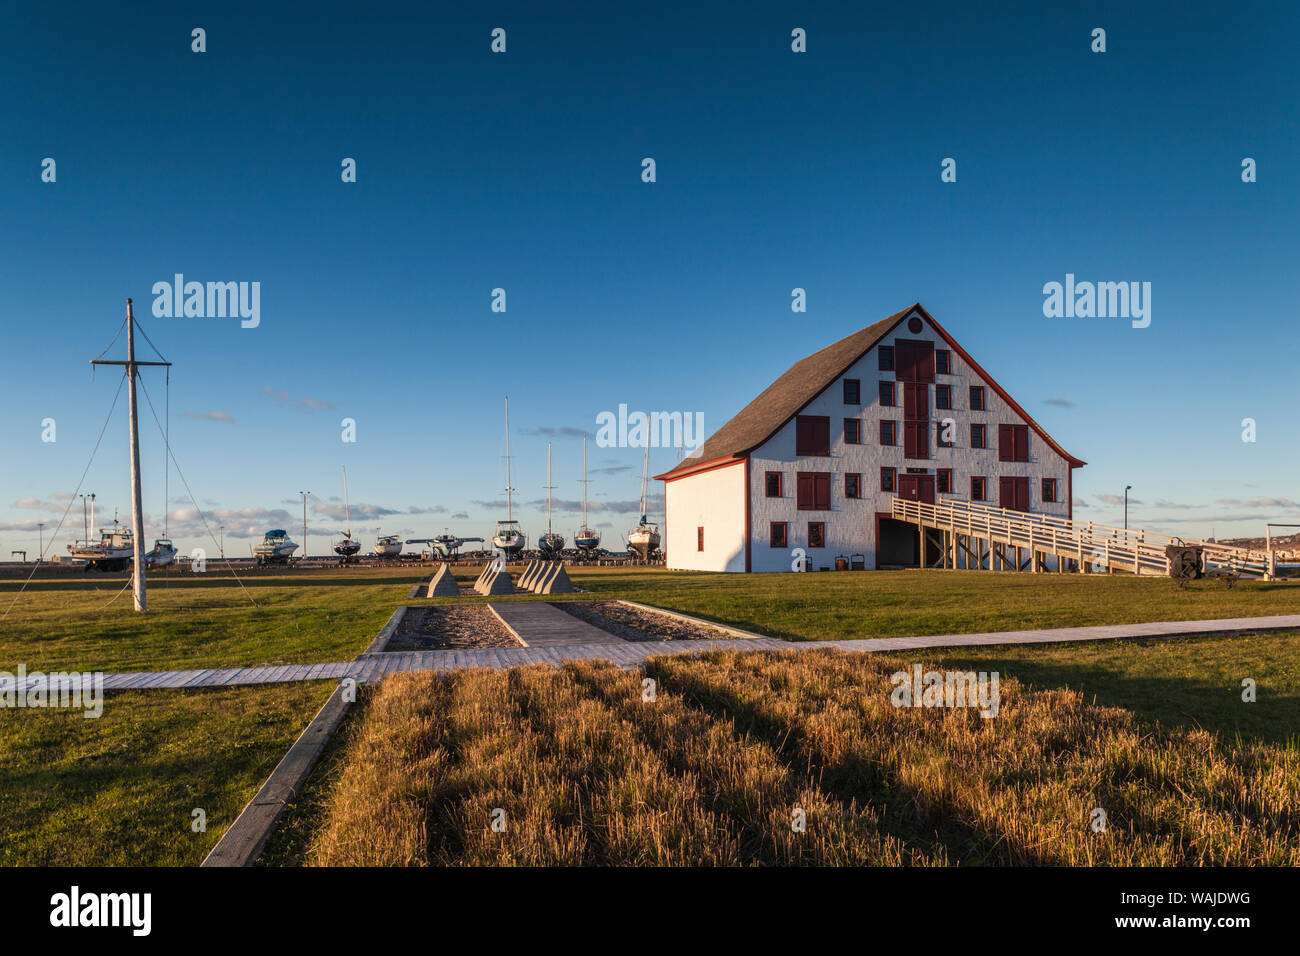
(522, 171)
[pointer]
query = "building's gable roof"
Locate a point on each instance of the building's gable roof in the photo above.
(805, 380)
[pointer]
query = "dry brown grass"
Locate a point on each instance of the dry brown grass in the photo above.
(712, 770)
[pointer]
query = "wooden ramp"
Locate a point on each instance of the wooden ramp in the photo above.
(967, 535)
(538, 624)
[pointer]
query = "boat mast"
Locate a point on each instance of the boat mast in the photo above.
(645, 474)
(584, 484)
(549, 486)
(347, 512)
(509, 511)
(137, 514)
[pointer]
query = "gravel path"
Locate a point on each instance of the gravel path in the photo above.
(633, 624)
(448, 626)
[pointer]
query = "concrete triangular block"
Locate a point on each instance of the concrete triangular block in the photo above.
(557, 582)
(499, 583)
(525, 579)
(482, 574)
(535, 582)
(443, 584)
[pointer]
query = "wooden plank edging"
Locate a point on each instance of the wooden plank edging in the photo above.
(243, 842)
(386, 632)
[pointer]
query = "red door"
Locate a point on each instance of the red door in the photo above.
(917, 488)
(1013, 493)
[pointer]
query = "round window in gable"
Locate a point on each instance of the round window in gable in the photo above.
(914, 325)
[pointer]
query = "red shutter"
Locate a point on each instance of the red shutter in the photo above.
(822, 486)
(812, 435)
(1022, 442)
(806, 494)
(1006, 444)
(1013, 493)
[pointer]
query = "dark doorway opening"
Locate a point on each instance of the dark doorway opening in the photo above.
(898, 544)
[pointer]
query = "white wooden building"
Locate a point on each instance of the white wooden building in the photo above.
(813, 463)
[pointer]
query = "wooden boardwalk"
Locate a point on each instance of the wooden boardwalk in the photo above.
(372, 667)
(539, 624)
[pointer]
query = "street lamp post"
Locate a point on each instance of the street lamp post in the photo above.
(1126, 491)
(40, 525)
(304, 521)
(222, 545)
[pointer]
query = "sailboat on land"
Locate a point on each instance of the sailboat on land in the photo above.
(643, 540)
(509, 537)
(550, 543)
(586, 539)
(349, 546)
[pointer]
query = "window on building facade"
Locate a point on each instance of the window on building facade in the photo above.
(887, 479)
(943, 481)
(943, 396)
(852, 431)
(943, 434)
(977, 398)
(978, 488)
(886, 353)
(773, 484)
(888, 432)
(942, 362)
(1013, 443)
(887, 393)
(816, 534)
(1049, 490)
(853, 485)
(812, 436)
(780, 534)
(852, 391)
(814, 491)
(978, 436)
(699, 539)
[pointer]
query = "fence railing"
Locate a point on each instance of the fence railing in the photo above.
(1124, 549)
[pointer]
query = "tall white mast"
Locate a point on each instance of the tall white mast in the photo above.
(645, 474)
(347, 512)
(137, 513)
(549, 486)
(584, 484)
(509, 511)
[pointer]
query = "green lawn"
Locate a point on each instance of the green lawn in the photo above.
(309, 616)
(198, 620)
(119, 790)
(836, 606)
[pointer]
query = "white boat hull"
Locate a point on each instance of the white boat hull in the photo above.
(643, 541)
(509, 544)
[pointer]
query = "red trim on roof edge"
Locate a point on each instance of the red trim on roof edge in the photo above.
(1015, 406)
(709, 465)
